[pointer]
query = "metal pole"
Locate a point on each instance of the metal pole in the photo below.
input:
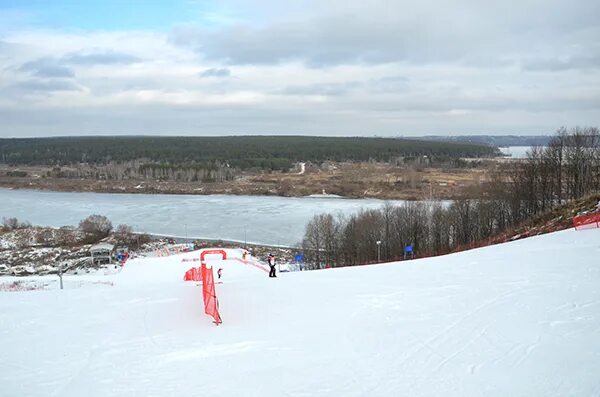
(60, 274)
(378, 251)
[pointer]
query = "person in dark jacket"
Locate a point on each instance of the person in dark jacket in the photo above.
(271, 262)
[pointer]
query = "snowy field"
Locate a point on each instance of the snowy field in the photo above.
(518, 319)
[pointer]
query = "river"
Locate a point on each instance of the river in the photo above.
(516, 152)
(255, 219)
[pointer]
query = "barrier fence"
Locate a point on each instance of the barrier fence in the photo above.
(209, 294)
(190, 260)
(168, 251)
(204, 274)
(194, 274)
(587, 221)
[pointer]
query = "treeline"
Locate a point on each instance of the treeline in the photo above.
(492, 140)
(430, 228)
(240, 152)
(568, 168)
(214, 172)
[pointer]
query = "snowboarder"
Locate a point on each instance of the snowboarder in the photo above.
(271, 262)
(219, 273)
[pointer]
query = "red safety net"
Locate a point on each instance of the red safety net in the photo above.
(209, 294)
(587, 221)
(194, 274)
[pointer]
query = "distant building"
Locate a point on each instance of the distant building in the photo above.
(102, 254)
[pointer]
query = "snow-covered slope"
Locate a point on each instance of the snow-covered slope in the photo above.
(518, 319)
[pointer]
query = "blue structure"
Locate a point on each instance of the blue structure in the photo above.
(408, 250)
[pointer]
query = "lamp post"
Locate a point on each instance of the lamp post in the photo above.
(378, 250)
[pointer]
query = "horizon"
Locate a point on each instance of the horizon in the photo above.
(410, 137)
(228, 68)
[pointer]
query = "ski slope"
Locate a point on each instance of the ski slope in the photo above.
(517, 319)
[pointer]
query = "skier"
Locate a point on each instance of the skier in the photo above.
(271, 262)
(219, 273)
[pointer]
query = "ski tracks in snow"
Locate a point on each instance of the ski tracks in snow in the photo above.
(435, 341)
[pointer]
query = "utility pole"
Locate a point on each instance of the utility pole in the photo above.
(378, 250)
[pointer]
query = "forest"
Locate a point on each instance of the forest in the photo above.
(565, 170)
(239, 152)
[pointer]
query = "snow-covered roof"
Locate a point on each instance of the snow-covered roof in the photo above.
(102, 247)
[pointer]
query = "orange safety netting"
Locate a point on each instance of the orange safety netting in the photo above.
(209, 294)
(212, 252)
(590, 220)
(194, 274)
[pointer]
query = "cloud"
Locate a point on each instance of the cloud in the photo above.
(52, 85)
(337, 67)
(322, 89)
(100, 58)
(557, 64)
(478, 34)
(46, 67)
(215, 72)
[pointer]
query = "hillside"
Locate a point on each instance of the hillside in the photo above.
(518, 319)
(559, 218)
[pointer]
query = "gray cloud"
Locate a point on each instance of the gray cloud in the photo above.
(47, 67)
(51, 85)
(215, 72)
(344, 67)
(317, 119)
(388, 84)
(483, 34)
(555, 64)
(100, 58)
(325, 89)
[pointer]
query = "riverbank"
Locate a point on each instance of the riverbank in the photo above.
(350, 180)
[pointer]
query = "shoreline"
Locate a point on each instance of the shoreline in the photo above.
(215, 191)
(225, 242)
(166, 193)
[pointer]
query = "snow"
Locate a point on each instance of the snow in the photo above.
(302, 168)
(517, 319)
(6, 244)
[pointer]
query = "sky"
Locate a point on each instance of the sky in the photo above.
(344, 68)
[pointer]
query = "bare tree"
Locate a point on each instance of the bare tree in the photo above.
(124, 234)
(96, 227)
(10, 223)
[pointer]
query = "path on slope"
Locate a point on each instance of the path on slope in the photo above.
(517, 319)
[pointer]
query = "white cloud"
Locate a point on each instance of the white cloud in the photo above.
(352, 67)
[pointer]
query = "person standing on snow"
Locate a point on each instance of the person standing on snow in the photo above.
(271, 262)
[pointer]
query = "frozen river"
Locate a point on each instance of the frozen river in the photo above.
(259, 219)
